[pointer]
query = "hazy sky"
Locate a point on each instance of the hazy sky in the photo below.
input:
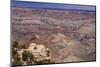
(53, 6)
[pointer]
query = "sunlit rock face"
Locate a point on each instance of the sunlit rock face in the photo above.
(40, 52)
(34, 54)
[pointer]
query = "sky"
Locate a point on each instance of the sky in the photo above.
(45, 5)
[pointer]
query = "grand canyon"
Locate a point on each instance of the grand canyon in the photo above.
(68, 36)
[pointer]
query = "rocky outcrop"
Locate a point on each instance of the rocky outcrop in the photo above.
(34, 54)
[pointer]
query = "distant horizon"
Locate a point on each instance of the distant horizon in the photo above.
(54, 6)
